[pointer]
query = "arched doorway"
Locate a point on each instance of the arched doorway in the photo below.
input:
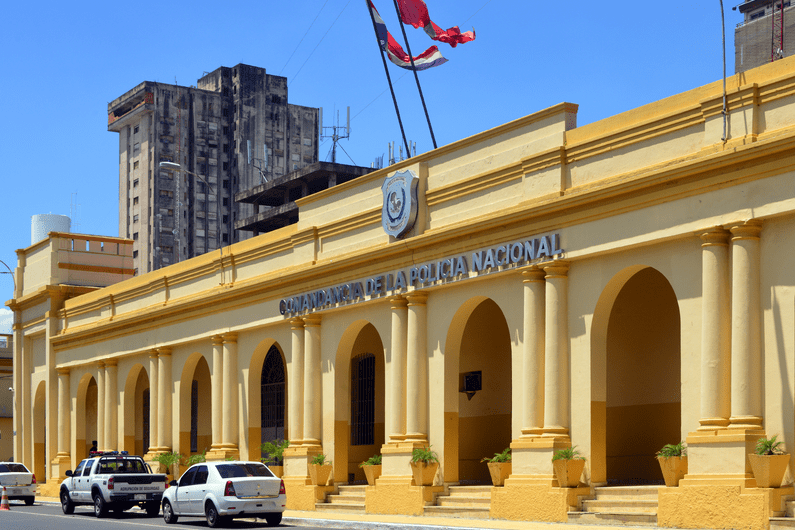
(272, 397)
(195, 423)
(136, 412)
(636, 338)
(85, 417)
(478, 349)
(40, 432)
(359, 400)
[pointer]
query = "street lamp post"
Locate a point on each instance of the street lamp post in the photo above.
(12, 276)
(174, 166)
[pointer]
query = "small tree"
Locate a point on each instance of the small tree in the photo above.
(275, 451)
(170, 461)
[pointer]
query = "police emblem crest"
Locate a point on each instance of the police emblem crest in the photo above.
(399, 211)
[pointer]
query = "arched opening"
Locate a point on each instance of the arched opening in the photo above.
(272, 398)
(636, 339)
(480, 342)
(136, 412)
(195, 421)
(360, 402)
(85, 417)
(40, 432)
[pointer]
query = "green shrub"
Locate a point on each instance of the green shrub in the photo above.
(569, 453)
(275, 451)
(769, 446)
(505, 456)
(670, 450)
(374, 460)
(320, 460)
(424, 455)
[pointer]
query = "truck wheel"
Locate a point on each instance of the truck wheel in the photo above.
(152, 508)
(100, 508)
(168, 513)
(29, 501)
(273, 519)
(67, 505)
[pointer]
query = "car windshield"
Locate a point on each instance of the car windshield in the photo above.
(243, 470)
(13, 468)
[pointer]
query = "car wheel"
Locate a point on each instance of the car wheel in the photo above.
(168, 513)
(152, 508)
(273, 519)
(67, 505)
(29, 501)
(213, 519)
(100, 508)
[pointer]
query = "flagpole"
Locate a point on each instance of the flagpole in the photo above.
(416, 77)
(386, 70)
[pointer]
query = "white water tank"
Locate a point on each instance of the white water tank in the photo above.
(44, 223)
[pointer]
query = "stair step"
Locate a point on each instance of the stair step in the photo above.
(463, 501)
(602, 505)
(345, 499)
(782, 523)
(468, 512)
(357, 490)
(469, 491)
(613, 519)
(339, 508)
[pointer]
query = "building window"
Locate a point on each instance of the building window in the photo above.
(226, 201)
(135, 200)
(363, 399)
(135, 183)
(226, 129)
(135, 255)
(226, 166)
(135, 219)
(758, 14)
(135, 131)
(226, 184)
(226, 219)
(272, 396)
(226, 148)
(276, 100)
(166, 193)
(135, 235)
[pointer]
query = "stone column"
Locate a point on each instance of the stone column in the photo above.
(164, 399)
(230, 434)
(397, 370)
(416, 368)
(556, 369)
(716, 330)
(295, 416)
(217, 393)
(64, 413)
(746, 341)
(153, 400)
(111, 410)
(101, 444)
(312, 381)
(19, 425)
(533, 352)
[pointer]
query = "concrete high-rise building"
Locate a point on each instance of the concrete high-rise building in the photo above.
(754, 42)
(227, 134)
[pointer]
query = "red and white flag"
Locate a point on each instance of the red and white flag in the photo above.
(427, 59)
(415, 12)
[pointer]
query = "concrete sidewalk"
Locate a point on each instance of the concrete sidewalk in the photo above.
(407, 522)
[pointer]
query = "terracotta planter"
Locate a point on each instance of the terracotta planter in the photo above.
(499, 472)
(372, 473)
(424, 473)
(674, 468)
(568, 472)
(769, 469)
(320, 474)
(277, 470)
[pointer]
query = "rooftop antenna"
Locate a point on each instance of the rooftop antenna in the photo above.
(336, 132)
(260, 164)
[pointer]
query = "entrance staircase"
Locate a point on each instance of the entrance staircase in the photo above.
(350, 499)
(788, 520)
(471, 502)
(619, 505)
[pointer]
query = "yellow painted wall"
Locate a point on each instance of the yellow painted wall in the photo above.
(6, 447)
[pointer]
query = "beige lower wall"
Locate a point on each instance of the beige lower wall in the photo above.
(6, 439)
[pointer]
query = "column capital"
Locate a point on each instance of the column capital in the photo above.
(556, 269)
(715, 236)
(398, 302)
(296, 323)
(63, 370)
(153, 353)
(312, 321)
(111, 363)
(217, 339)
(417, 298)
(533, 274)
(101, 365)
(749, 229)
(165, 351)
(229, 337)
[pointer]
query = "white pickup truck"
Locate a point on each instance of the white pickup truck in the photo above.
(18, 482)
(115, 481)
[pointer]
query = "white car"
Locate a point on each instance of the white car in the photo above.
(18, 482)
(221, 491)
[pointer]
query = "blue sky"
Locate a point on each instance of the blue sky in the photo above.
(64, 61)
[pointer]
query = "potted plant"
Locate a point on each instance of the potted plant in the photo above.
(320, 470)
(169, 463)
(372, 469)
(499, 466)
(275, 451)
(769, 463)
(424, 464)
(673, 463)
(568, 464)
(197, 458)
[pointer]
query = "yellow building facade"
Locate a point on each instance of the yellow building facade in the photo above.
(616, 286)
